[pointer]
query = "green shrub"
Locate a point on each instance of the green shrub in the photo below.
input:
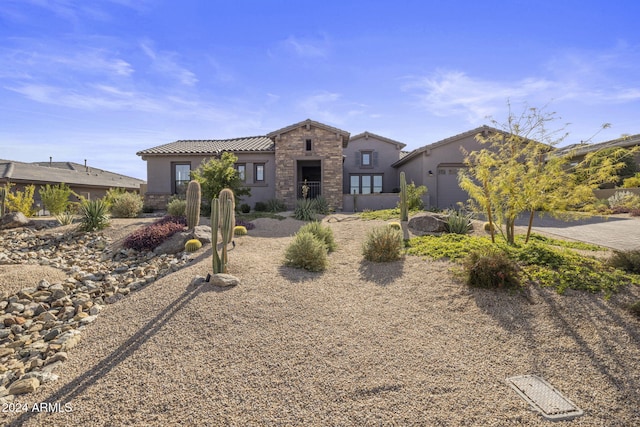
(245, 208)
(177, 207)
(126, 205)
(322, 232)
(65, 218)
(321, 205)
(535, 253)
(632, 182)
(306, 252)
(490, 269)
(458, 222)
(276, 205)
(21, 201)
(112, 195)
(94, 215)
(239, 230)
(383, 244)
(635, 308)
(55, 198)
(305, 210)
(260, 207)
(414, 197)
(628, 261)
(624, 198)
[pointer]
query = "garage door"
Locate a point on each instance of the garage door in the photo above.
(449, 192)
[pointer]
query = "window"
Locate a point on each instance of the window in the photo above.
(366, 159)
(365, 184)
(307, 145)
(181, 177)
(258, 172)
(242, 171)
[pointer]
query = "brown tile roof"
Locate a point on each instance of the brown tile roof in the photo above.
(211, 146)
(584, 148)
(345, 135)
(67, 172)
(367, 134)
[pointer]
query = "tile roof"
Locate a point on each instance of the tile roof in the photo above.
(583, 148)
(68, 172)
(445, 141)
(345, 135)
(367, 134)
(211, 146)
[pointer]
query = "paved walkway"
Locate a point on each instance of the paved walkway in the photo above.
(612, 232)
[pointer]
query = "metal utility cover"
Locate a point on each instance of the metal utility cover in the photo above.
(544, 398)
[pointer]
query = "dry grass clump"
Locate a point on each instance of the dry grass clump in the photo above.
(306, 252)
(383, 244)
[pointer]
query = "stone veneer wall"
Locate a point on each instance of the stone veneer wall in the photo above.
(157, 201)
(326, 147)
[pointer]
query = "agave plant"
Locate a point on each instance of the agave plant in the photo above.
(94, 215)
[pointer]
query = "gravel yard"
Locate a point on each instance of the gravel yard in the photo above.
(360, 344)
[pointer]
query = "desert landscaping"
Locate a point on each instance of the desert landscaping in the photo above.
(402, 343)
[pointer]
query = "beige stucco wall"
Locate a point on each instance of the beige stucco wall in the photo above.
(159, 177)
(417, 169)
(326, 148)
(387, 154)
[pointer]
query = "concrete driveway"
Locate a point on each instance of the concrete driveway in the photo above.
(614, 232)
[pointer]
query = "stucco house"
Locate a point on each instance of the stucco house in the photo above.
(437, 165)
(330, 161)
(86, 181)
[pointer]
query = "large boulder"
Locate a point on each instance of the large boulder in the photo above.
(173, 244)
(202, 233)
(13, 220)
(428, 223)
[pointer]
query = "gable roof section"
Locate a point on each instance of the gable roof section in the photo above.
(308, 123)
(210, 146)
(582, 149)
(442, 142)
(367, 135)
(73, 174)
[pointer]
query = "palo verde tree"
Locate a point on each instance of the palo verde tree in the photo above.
(519, 172)
(216, 174)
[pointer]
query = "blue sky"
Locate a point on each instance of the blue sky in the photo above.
(101, 80)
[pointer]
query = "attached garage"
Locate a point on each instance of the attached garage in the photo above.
(449, 192)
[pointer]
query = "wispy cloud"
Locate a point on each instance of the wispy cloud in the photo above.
(322, 106)
(166, 63)
(587, 78)
(304, 47)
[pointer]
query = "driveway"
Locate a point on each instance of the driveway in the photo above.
(613, 232)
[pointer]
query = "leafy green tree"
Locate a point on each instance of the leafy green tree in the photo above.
(607, 166)
(520, 172)
(55, 197)
(216, 174)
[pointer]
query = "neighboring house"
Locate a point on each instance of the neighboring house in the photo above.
(352, 173)
(88, 182)
(437, 165)
(579, 151)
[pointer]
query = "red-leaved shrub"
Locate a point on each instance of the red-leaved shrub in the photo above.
(151, 236)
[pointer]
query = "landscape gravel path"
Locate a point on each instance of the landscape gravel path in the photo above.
(362, 344)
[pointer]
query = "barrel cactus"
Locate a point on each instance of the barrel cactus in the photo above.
(192, 245)
(194, 196)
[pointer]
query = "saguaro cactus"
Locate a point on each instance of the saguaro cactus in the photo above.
(223, 220)
(3, 200)
(194, 196)
(404, 210)
(225, 195)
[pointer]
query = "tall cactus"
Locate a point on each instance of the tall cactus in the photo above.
(404, 211)
(194, 197)
(3, 200)
(215, 223)
(223, 220)
(226, 194)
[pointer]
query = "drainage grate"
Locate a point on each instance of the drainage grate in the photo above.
(544, 398)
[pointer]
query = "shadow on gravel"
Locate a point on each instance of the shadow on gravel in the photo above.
(382, 273)
(298, 275)
(80, 384)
